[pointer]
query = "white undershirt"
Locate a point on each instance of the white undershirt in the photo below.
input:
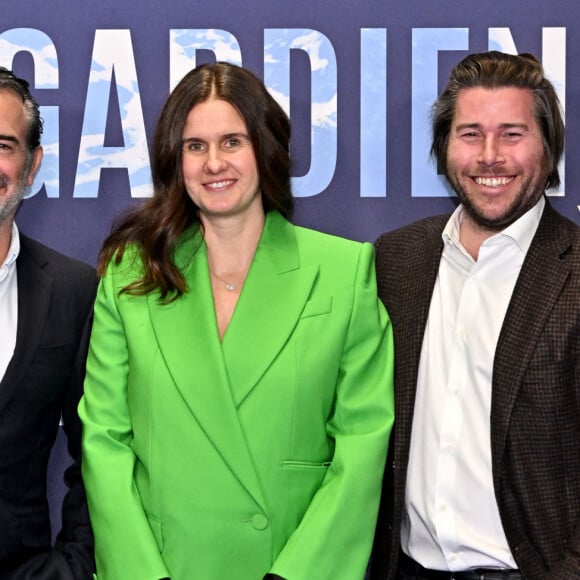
(8, 302)
(451, 519)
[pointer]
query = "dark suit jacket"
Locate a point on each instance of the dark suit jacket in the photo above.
(535, 418)
(42, 382)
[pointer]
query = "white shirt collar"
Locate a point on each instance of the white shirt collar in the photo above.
(13, 252)
(522, 231)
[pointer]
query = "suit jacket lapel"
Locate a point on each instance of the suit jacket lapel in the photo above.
(543, 274)
(34, 295)
(186, 332)
(274, 295)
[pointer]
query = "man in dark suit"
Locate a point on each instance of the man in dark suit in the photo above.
(45, 308)
(483, 475)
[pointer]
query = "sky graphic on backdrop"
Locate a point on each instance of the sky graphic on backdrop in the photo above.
(113, 69)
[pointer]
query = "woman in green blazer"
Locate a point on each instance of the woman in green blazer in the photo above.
(238, 399)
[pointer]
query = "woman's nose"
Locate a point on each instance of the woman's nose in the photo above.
(215, 161)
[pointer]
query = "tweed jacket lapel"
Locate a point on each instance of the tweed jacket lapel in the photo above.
(418, 273)
(187, 335)
(407, 263)
(34, 294)
(272, 300)
(543, 274)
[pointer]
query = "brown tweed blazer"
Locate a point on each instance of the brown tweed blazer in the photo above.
(535, 410)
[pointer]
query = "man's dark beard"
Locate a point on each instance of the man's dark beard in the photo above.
(518, 209)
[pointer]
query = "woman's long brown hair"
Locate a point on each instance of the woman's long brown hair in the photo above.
(155, 226)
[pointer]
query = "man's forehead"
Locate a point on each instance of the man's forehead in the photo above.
(11, 99)
(504, 94)
(505, 104)
(13, 120)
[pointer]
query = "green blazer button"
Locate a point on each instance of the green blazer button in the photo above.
(260, 522)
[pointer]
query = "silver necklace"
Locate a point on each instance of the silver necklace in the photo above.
(230, 286)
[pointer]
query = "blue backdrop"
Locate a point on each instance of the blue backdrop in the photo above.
(357, 79)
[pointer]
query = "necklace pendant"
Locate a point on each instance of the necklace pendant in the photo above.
(230, 287)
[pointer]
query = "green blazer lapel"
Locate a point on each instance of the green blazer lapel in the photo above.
(273, 297)
(187, 335)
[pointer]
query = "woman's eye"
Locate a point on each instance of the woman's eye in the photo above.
(194, 146)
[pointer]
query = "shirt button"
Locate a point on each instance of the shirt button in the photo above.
(260, 522)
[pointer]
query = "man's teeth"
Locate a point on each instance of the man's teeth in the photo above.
(493, 181)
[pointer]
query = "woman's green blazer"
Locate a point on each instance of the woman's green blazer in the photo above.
(223, 460)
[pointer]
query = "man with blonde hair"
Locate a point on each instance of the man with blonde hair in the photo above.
(483, 475)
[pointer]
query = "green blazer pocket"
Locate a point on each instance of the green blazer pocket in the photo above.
(306, 465)
(302, 480)
(317, 307)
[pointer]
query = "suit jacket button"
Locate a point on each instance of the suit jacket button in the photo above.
(260, 522)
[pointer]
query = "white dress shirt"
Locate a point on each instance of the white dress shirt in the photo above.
(451, 519)
(8, 302)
